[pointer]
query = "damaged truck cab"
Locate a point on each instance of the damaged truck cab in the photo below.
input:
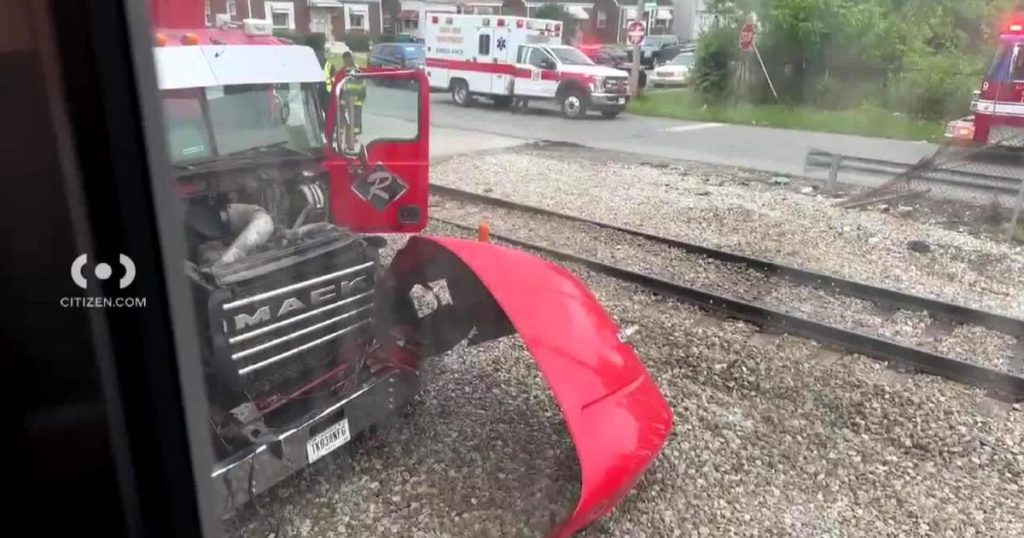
(307, 337)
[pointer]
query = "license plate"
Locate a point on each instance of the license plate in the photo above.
(326, 441)
(622, 100)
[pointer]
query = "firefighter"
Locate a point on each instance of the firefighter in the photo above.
(329, 71)
(354, 91)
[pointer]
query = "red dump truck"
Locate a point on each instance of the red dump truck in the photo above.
(287, 193)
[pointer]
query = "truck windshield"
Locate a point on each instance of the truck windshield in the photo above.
(571, 56)
(414, 52)
(1017, 73)
(1001, 62)
(218, 121)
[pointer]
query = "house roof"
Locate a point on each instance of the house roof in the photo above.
(632, 3)
(580, 3)
(588, 4)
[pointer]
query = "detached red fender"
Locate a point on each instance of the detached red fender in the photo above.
(617, 417)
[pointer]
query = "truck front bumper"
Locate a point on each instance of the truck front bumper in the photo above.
(608, 101)
(257, 469)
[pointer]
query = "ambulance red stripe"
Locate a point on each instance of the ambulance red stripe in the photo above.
(505, 69)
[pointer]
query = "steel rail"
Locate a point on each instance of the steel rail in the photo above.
(1000, 384)
(888, 297)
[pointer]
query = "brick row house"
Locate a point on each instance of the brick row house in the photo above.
(597, 20)
(602, 20)
(334, 18)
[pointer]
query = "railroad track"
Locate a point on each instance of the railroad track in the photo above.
(1000, 384)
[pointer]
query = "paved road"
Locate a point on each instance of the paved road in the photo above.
(775, 150)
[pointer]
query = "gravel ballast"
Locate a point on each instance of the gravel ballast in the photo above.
(714, 208)
(984, 347)
(774, 436)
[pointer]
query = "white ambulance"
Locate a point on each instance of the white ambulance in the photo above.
(501, 58)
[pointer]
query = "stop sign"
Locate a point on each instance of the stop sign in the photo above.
(747, 34)
(636, 31)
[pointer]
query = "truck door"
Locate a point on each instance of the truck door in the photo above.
(535, 73)
(377, 153)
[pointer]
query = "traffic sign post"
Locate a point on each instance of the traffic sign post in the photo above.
(748, 42)
(747, 34)
(636, 32)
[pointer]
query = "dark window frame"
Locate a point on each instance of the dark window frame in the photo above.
(483, 44)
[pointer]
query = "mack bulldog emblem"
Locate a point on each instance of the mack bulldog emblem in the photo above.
(380, 188)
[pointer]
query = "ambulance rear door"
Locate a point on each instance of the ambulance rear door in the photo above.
(483, 79)
(503, 57)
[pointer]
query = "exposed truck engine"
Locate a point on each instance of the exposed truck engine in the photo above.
(288, 299)
(306, 338)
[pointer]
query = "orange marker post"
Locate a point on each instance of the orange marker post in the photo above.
(483, 232)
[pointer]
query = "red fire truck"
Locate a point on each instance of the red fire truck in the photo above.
(998, 106)
(307, 339)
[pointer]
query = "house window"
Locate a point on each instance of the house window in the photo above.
(357, 16)
(410, 24)
(232, 10)
(602, 18)
(281, 14)
(662, 18)
(209, 14)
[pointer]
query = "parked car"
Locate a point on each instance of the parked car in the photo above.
(397, 55)
(676, 72)
(652, 45)
(667, 53)
(613, 56)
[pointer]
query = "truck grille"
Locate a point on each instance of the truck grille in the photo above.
(616, 85)
(296, 320)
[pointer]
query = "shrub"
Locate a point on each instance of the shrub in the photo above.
(936, 87)
(716, 50)
(358, 42)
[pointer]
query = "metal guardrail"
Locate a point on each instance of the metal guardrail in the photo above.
(836, 163)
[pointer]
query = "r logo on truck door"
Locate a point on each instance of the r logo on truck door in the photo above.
(380, 188)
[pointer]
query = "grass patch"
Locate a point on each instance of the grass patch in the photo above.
(864, 121)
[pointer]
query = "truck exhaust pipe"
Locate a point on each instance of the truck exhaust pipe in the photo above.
(254, 227)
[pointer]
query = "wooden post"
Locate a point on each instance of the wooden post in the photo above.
(634, 70)
(1016, 210)
(765, 70)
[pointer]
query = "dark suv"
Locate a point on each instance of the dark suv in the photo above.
(613, 56)
(397, 55)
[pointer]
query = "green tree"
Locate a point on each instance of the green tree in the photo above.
(716, 51)
(558, 13)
